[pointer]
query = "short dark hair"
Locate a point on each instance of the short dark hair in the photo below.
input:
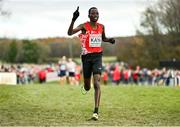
(91, 9)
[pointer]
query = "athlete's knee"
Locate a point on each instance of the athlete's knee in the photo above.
(96, 82)
(96, 85)
(87, 84)
(87, 87)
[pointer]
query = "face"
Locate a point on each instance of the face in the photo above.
(94, 15)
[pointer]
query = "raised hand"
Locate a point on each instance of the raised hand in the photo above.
(76, 14)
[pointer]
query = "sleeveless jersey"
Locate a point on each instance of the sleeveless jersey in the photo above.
(92, 39)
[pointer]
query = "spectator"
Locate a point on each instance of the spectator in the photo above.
(105, 77)
(42, 76)
(62, 70)
(126, 75)
(116, 75)
(71, 67)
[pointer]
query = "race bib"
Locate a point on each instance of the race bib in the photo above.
(95, 40)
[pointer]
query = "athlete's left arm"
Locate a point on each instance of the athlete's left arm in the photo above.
(105, 39)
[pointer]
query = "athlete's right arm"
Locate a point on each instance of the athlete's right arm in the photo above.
(72, 31)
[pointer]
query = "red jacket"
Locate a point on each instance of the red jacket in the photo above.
(42, 74)
(116, 74)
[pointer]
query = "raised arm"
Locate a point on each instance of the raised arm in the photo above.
(71, 29)
(105, 39)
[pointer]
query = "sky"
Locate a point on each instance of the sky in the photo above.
(32, 19)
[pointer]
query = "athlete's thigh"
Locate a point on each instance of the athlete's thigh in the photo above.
(97, 65)
(87, 67)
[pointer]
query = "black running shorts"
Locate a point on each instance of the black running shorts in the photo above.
(92, 63)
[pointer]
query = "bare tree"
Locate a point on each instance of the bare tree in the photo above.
(164, 17)
(170, 15)
(161, 24)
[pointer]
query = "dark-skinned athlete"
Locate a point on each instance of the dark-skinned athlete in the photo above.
(91, 36)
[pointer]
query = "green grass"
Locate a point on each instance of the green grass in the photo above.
(52, 104)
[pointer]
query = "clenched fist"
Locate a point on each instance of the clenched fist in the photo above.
(112, 41)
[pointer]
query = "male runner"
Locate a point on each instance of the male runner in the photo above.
(91, 37)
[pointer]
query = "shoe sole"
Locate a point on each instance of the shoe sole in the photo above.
(93, 118)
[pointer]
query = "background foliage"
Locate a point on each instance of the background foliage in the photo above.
(157, 39)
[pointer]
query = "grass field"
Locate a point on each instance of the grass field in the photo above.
(52, 104)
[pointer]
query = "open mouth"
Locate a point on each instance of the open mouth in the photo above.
(95, 18)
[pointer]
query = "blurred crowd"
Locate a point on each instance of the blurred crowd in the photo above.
(26, 74)
(121, 73)
(116, 73)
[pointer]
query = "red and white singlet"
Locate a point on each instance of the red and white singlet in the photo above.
(92, 39)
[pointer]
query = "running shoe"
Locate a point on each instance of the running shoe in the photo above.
(95, 116)
(83, 91)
